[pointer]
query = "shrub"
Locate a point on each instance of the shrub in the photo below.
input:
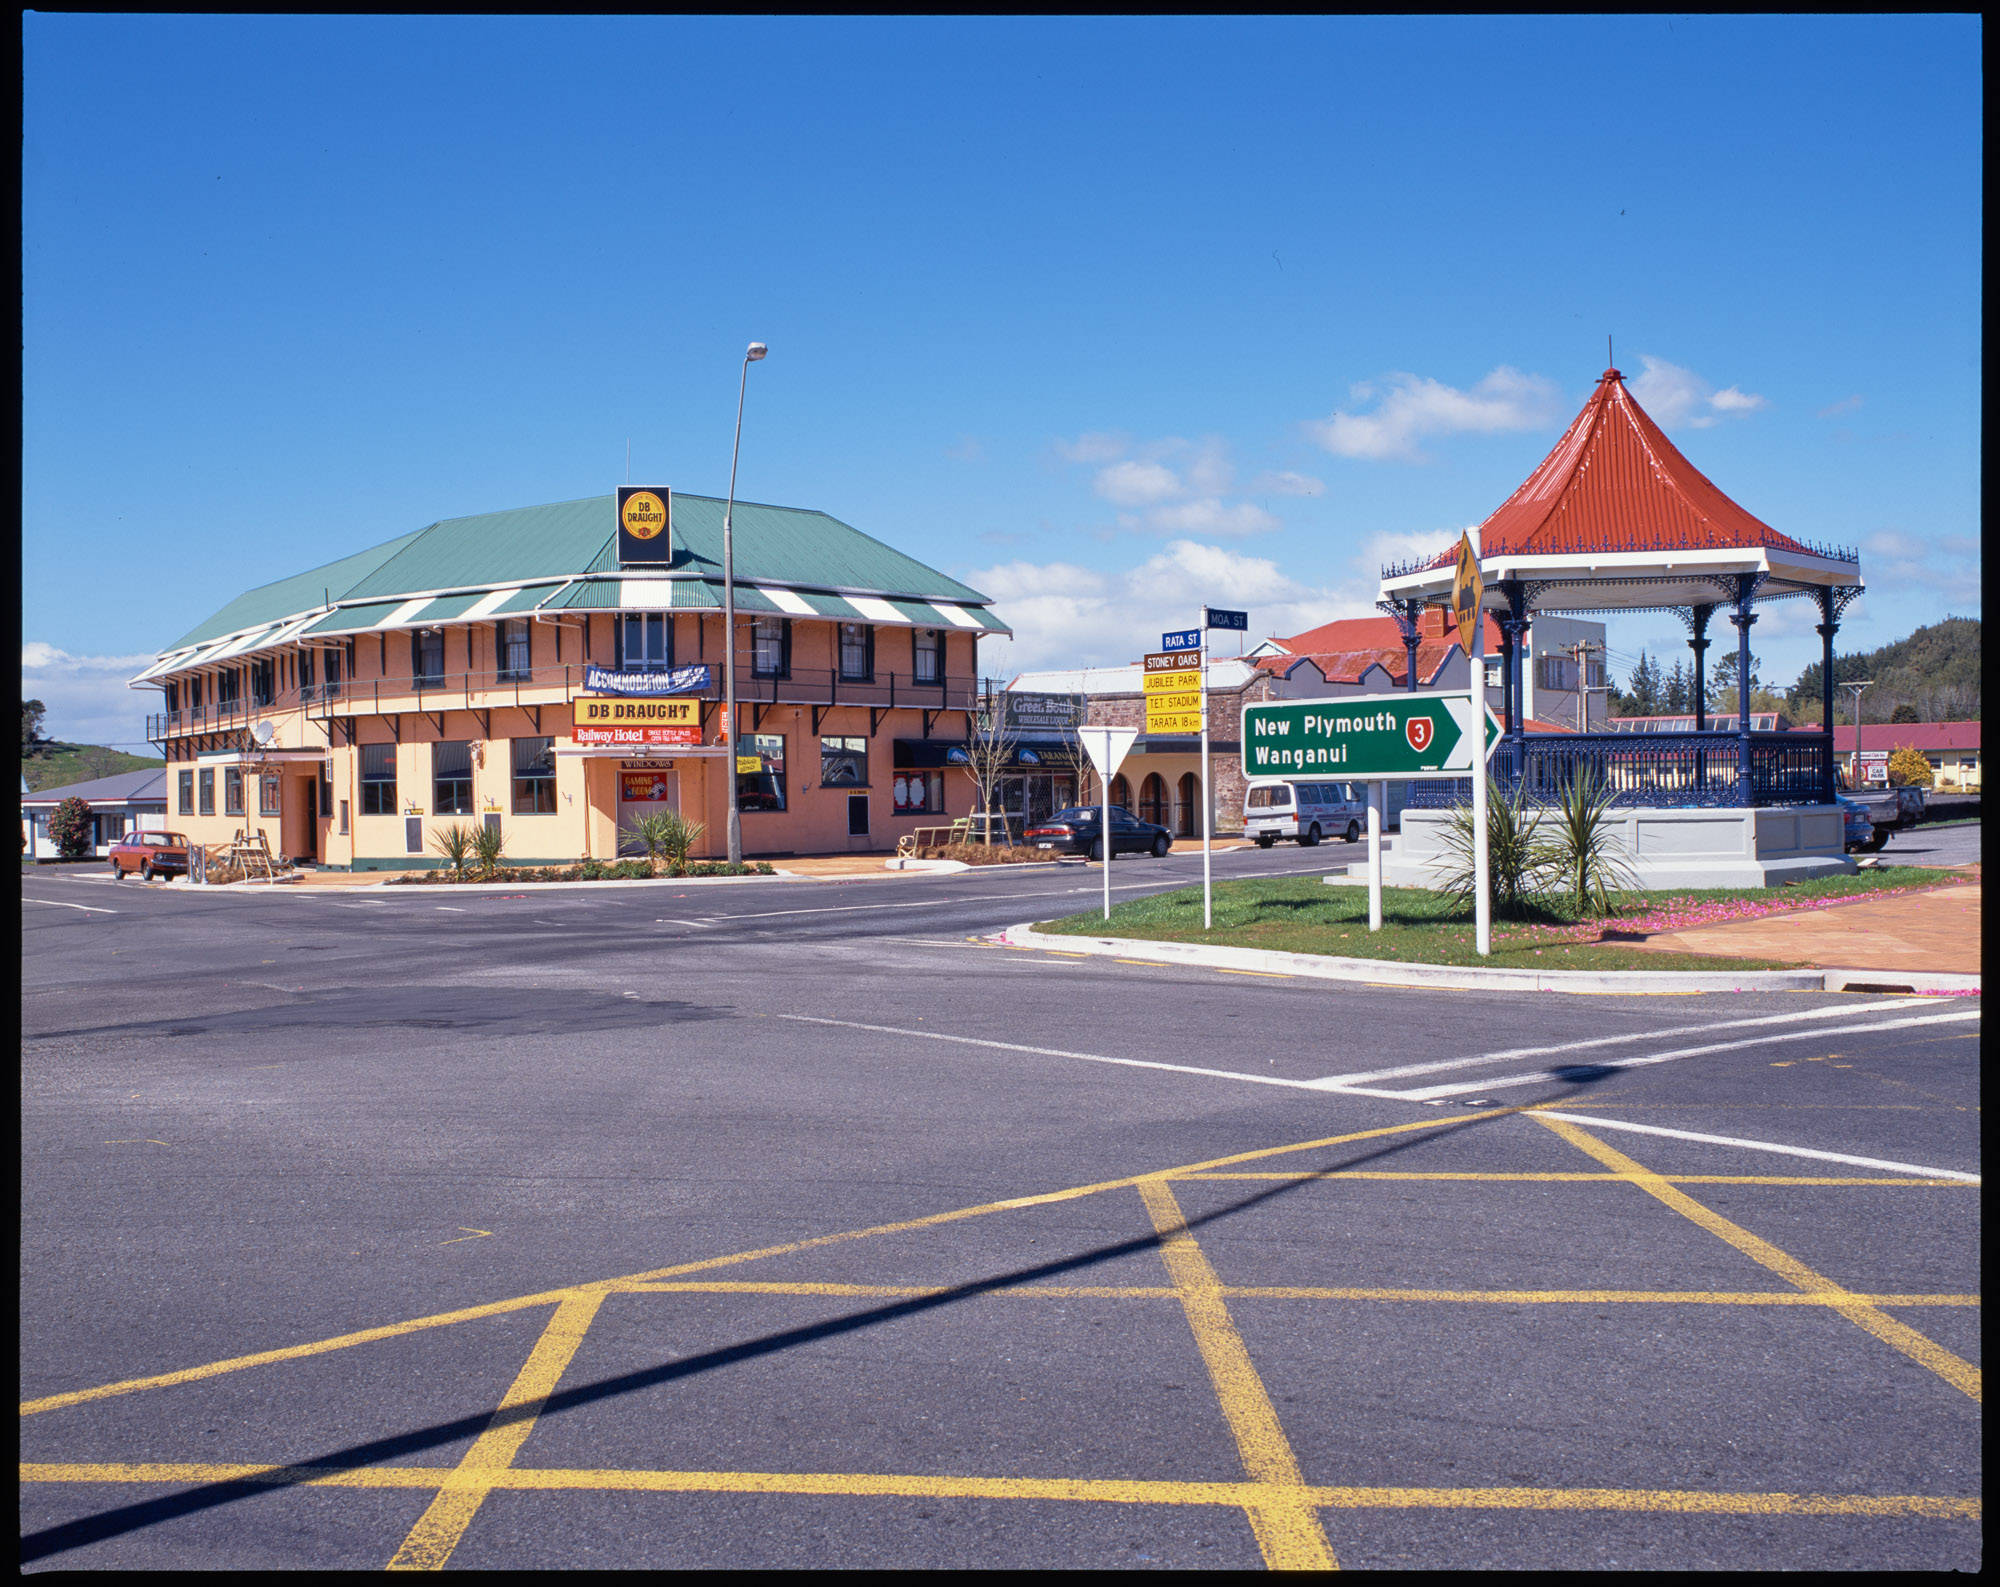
(69, 827)
(457, 844)
(1513, 871)
(1908, 768)
(488, 843)
(1577, 853)
(666, 834)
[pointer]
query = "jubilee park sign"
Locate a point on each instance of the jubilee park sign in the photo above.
(1361, 737)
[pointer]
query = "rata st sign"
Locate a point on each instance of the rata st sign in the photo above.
(1181, 639)
(1418, 736)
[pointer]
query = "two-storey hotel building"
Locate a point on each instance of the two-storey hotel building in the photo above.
(509, 669)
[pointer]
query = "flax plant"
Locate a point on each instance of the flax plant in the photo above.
(488, 843)
(1514, 863)
(456, 843)
(668, 834)
(1578, 851)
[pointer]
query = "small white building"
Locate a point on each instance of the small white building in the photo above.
(118, 804)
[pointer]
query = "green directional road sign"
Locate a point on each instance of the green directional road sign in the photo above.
(1365, 735)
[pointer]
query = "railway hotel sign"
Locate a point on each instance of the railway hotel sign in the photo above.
(617, 722)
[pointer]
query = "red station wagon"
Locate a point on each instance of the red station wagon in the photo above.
(150, 854)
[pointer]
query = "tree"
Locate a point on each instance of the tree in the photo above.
(1905, 712)
(1908, 767)
(1676, 691)
(32, 712)
(69, 827)
(1722, 681)
(1645, 697)
(989, 749)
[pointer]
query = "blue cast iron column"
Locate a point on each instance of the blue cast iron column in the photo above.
(1699, 645)
(1743, 617)
(1412, 615)
(1828, 627)
(1512, 627)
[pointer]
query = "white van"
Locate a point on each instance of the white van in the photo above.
(1308, 810)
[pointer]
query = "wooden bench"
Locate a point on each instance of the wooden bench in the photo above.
(929, 838)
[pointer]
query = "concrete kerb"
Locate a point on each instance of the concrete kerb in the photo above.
(1392, 972)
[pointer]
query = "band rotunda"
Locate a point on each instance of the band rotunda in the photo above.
(549, 671)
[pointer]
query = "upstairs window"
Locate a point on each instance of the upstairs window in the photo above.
(228, 689)
(308, 687)
(929, 665)
(378, 779)
(173, 703)
(451, 772)
(332, 689)
(534, 776)
(427, 657)
(647, 639)
(512, 645)
(263, 682)
(857, 652)
(194, 694)
(771, 647)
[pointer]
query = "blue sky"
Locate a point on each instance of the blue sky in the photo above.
(1108, 317)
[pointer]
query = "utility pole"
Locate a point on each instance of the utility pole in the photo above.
(1854, 760)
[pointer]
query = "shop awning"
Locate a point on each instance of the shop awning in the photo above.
(923, 754)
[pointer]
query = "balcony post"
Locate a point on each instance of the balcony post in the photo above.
(1512, 629)
(1698, 643)
(1743, 617)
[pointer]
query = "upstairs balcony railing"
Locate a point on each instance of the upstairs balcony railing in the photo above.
(1660, 770)
(552, 684)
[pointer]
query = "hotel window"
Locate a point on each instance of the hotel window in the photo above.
(512, 646)
(186, 800)
(378, 779)
(647, 640)
(228, 689)
(929, 654)
(771, 648)
(194, 694)
(857, 652)
(232, 791)
(326, 791)
(427, 657)
(534, 776)
(332, 657)
(268, 795)
(764, 787)
(208, 792)
(843, 762)
(173, 699)
(307, 689)
(263, 682)
(919, 793)
(451, 772)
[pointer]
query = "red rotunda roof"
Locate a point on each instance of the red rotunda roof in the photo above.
(1614, 482)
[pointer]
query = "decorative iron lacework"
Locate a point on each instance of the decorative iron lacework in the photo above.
(1662, 771)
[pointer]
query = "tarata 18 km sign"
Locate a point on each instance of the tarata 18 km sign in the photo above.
(1365, 735)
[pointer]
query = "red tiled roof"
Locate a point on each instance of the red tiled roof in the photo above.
(1382, 633)
(1614, 482)
(1925, 736)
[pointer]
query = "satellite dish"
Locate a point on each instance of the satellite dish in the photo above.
(263, 733)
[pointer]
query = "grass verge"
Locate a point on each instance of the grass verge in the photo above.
(1304, 915)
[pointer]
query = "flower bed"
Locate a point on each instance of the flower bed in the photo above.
(982, 854)
(588, 871)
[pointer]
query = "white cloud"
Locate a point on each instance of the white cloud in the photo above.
(1213, 517)
(1678, 398)
(1948, 564)
(1137, 484)
(1068, 616)
(1093, 446)
(1834, 410)
(86, 696)
(1287, 483)
(1415, 406)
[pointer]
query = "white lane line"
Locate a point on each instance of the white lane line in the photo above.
(1596, 1122)
(57, 903)
(675, 920)
(970, 898)
(451, 909)
(1511, 1054)
(1541, 1076)
(1059, 1052)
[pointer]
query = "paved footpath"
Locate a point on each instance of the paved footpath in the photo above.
(1936, 930)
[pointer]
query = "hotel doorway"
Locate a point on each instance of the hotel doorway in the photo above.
(644, 789)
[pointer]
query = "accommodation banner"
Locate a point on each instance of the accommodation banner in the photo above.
(676, 680)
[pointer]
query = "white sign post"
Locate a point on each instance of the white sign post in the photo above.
(1207, 799)
(1482, 905)
(1107, 748)
(1377, 792)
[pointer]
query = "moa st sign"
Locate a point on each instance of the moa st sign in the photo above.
(1368, 735)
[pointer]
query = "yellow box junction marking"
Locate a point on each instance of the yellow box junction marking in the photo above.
(1955, 1370)
(1280, 1506)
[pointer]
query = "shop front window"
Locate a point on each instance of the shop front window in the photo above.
(269, 794)
(208, 792)
(760, 771)
(186, 790)
(378, 779)
(451, 775)
(919, 793)
(843, 762)
(232, 791)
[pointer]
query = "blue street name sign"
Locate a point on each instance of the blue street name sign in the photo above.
(1185, 639)
(1219, 618)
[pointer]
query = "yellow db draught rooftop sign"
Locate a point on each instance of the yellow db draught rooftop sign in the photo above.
(645, 525)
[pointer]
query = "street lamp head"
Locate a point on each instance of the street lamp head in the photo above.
(757, 351)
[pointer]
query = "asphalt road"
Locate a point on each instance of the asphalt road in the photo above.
(784, 1224)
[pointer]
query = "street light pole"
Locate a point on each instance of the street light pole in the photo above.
(755, 352)
(1854, 760)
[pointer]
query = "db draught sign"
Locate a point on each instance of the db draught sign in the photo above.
(1419, 730)
(645, 524)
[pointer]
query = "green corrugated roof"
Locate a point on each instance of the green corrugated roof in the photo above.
(593, 597)
(446, 606)
(352, 619)
(791, 546)
(291, 596)
(920, 614)
(829, 605)
(526, 599)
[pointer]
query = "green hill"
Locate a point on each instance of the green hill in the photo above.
(1935, 671)
(56, 765)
